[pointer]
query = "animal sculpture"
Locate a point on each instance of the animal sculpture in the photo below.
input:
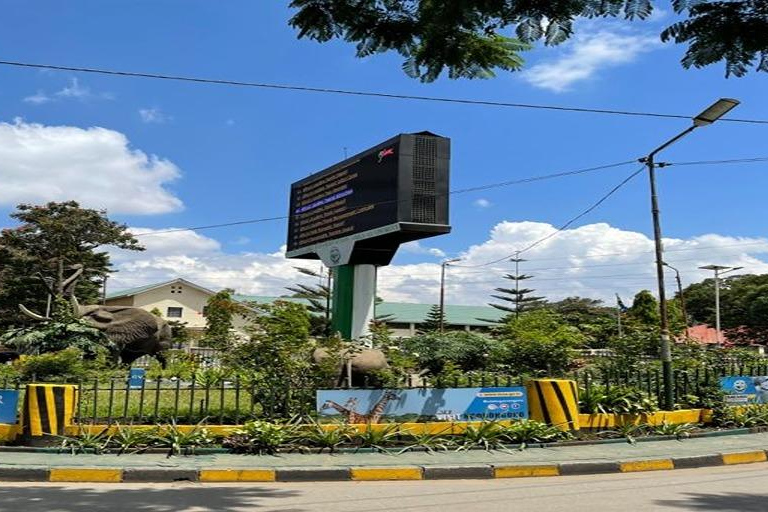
(134, 331)
(357, 364)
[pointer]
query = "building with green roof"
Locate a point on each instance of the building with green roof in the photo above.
(183, 300)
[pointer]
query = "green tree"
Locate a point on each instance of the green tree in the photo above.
(48, 241)
(743, 306)
(539, 342)
(471, 39)
(435, 318)
(595, 321)
(463, 350)
(220, 310)
(516, 300)
(645, 309)
(275, 361)
(319, 298)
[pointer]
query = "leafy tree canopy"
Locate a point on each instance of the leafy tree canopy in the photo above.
(473, 38)
(219, 312)
(539, 342)
(48, 241)
(743, 306)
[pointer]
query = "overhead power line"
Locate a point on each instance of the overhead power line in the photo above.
(520, 181)
(453, 192)
(350, 92)
(564, 226)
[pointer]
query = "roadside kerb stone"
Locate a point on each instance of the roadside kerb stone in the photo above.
(458, 472)
(24, 474)
(321, 474)
(589, 468)
(697, 461)
(159, 475)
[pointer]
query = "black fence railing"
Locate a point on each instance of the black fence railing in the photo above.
(235, 401)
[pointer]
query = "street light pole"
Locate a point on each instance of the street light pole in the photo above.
(680, 292)
(444, 264)
(709, 116)
(717, 269)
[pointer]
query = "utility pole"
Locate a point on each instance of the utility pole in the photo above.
(444, 264)
(517, 260)
(718, 273)
(680, 293)
(709, 116)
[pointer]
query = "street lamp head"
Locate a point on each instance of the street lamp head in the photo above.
(452, 260)
(714, 267)
(715, 111)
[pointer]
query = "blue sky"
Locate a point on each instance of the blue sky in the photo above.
(188, 155)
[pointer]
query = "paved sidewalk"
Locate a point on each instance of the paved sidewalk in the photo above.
(600, 458)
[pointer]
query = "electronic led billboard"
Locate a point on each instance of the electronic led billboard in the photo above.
(392, 193)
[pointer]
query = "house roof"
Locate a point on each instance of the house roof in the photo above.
(411, 313)
(704, 334)
(399, 312)
(141, 289)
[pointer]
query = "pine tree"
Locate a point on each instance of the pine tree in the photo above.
(434, 320)
(319, 298)
(516, 300)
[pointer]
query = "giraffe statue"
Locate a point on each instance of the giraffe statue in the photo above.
(354, 417)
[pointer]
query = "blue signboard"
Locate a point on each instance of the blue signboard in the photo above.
(745, 390)
(424, 404)
(9, 401)
(136, 378)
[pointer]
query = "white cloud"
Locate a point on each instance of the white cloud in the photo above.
(589, 52)
(595, 260)
(38, 98)
(153, 115)
(241, 240)
(94, 166)
(415, 247)
(72, 91)
(483, 203)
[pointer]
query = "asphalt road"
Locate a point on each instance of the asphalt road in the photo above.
(724, 489)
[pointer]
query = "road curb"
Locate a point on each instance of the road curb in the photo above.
(370, 473)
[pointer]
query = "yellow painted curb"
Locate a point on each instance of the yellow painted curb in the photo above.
(237, 475)
(86, 475)
(744, 457)
(386, 473)
(646, 465)
(525, 471)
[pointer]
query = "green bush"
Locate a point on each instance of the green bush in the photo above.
(260, 438)
(538, 343)
(62, 366)
(616, 399)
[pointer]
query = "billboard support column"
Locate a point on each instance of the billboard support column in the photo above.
(363, 300)
(354, 294)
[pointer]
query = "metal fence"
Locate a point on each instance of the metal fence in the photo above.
(234, 402)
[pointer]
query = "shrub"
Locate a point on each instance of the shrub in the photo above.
(62, 366)
(538, 343)
(531, 431)
(260, 437)
(616, 399)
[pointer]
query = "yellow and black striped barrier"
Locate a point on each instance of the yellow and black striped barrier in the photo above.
(48, 409)
(554, 402)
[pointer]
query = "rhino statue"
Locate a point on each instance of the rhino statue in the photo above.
(134, 331)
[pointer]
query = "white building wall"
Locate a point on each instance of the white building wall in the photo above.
(191, 300)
